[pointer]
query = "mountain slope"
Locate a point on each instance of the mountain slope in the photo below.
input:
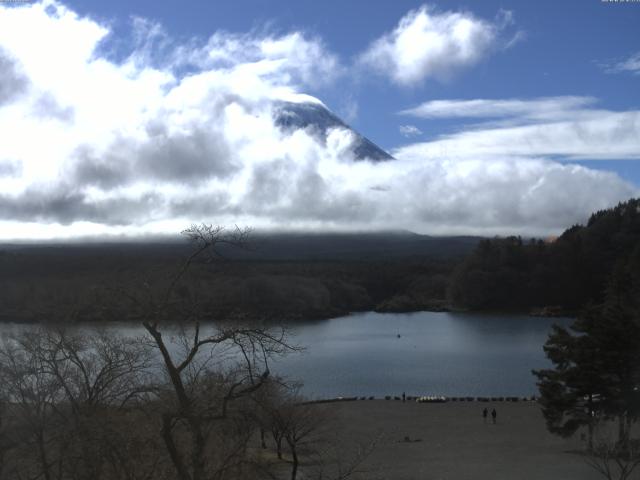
(317, 118)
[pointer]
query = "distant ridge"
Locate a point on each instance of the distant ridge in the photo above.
(357, 246)
(290, 246)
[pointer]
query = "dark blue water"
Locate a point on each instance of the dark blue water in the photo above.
(450, 354)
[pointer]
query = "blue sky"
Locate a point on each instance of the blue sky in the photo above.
(562, 52)
(484, 104)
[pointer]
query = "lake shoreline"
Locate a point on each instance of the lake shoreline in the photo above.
(293, 319)
(426, 399)
(374, 354)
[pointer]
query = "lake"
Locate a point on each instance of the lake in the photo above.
(452, 354)
(423, 353)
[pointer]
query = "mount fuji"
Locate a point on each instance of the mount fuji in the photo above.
(318, 119)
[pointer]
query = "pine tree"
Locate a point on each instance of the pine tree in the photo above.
(569, 392)
(596, 364)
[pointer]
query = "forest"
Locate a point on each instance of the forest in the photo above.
(549, 277)
(279, 277)
(294, 277)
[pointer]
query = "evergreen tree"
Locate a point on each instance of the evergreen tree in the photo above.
(596, 364)
(570, 391)
(570, 272)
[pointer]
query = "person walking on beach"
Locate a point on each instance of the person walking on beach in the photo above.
(494, 414)
(485, 412)
(404, 398)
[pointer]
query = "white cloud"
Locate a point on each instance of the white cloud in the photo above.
(348, 109)
(631, 64)
(133, 147)
(291, 58)
(539, 108)
(427, 43)
(409, 131)
(550, 126)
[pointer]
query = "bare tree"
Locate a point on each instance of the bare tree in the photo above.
(64, 390)
(201, 387)
(337, 463)
(611, 463)
(32, 397)
(269, 411)
(612, 459)
(310, 431)
(304, 423)
(100, 375)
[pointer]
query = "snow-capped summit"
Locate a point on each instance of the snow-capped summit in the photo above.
(319, 119)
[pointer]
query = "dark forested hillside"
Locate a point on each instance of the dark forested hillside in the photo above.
(318, 276)
(284, 276)
(563, 274)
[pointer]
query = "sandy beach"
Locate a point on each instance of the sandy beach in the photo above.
(455, 444)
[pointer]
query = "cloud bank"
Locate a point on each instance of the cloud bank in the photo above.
(558, 127)
(176, 133)
(539, 108)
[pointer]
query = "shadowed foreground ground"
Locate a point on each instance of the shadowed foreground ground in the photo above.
(456, 445)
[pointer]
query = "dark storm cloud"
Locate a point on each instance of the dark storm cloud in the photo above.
(65, 207)
(200, 206)
(190, 158)
(267, 184)
(284, 192)
(106, 172)
(200, 154)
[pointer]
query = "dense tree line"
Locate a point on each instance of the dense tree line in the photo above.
(500, 274)
(50, 285)
(568, 272)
